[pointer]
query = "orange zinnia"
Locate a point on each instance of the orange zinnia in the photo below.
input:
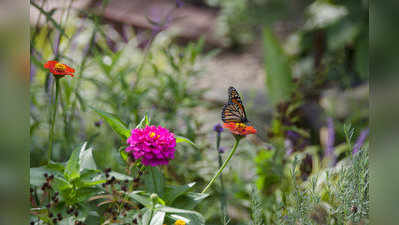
(57, 68)
(240, 128)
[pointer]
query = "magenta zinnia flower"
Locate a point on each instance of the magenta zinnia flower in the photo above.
(153, 145)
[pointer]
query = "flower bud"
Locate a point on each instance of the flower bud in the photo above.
(154, 196)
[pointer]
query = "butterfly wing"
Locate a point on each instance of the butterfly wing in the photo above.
(230, 114)
(234, 110)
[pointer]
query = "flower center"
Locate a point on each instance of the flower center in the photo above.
(59, 67)
(154, 135)
(240, 125)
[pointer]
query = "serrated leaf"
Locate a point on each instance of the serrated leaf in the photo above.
(116, 124)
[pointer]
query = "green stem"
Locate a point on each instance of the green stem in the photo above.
(223, 166)
(52, 121)
(223, 193)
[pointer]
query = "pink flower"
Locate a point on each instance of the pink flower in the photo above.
(153, 145)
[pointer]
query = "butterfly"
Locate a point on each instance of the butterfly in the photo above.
(234, 110)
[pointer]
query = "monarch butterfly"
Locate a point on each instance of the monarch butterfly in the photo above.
(234, 110)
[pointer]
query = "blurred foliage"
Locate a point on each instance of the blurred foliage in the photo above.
(279, 78)
(316, 64)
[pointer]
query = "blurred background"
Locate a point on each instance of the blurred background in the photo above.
(301, 66)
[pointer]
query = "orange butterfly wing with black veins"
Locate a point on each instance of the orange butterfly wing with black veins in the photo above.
(234, 110)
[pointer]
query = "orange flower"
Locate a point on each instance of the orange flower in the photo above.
(57, 68)
(240, 129)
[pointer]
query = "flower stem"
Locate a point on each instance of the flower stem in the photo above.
(52, 121)
(223, 166)
(223, 193)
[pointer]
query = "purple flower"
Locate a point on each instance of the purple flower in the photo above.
(218, 128)
(221, 150)
(289, 149)
(32, 71)
(330, 137)
(360, 141)
(293, 135)
(297, 140)
(179, 3)
(98, 123)
(153, 145)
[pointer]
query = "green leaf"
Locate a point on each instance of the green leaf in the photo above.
(37, 175)
(278, 72)
(189, 200)
(60, 184)
(180, 139)
(56, 166)
(158, 218)
(154, 180)
(81, 101)
(90, 178)
(72, 168)
(116, 124)
(124, 155)
(194, 218)
(146, 217)
(91, 183)
(144, 122)
(135, 195)
(120, 176)
(67, 221)
(172, 192)
(83, 194)
(86, 159)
